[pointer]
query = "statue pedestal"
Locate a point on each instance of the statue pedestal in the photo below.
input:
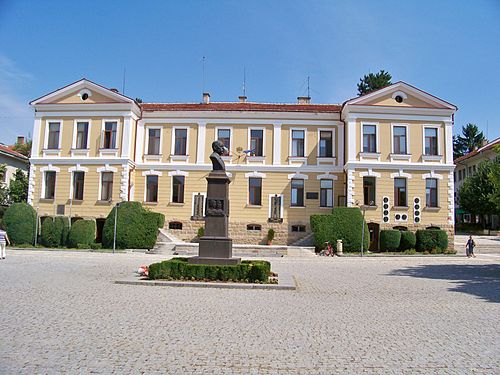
(215, 246)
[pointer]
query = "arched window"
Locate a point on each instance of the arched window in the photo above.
(400, 228)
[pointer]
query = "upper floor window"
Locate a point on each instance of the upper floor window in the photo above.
(431, 141)
(82, 132)
(255, 191)
(369, 191)
(298, 137)
(224, 135)
(152, 189)
(325, 144)
(256, 142)
(400, 196)
(154, 141)
(431, 193)
(106, 186)
(53, 138)
(326, 193)
(297, 198)
(50, 184)
(399, 139)
(369, 138)
(180, 142)
(109, 136)
(178, 189)
(78, 181)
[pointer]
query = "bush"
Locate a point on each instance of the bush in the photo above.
(82, 233)
(63, 222)
(389, 240)
(160, 218)
(20, 220)
(96, 246)
(137, 228)
(344, 223)
(179, 268)
(432, 240)
(270, 234)
(408, 241)
(201, 232)
(51, 232)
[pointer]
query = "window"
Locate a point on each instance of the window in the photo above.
(326, 193)
(82, 131)
(154, 141)
(180, 146)
(400, 192)
(325, 144)
(399, 139)
(431, 141)
(298, 143)
(297, 193)
(254, 227)
(109, 136)
(255, 191)
(256, 142)
(224, 135)
(369, 191)
(152, 189)
(369, 138)
(53, 139)
(298, 228)
(431, 192)
(106, 186)
(178, 189)
(50, 185)
(175, 225)
(78, 181)
(473, 169)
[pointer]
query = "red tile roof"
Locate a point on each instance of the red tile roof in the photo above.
(254, 107)
(475, 152)
(7, 150)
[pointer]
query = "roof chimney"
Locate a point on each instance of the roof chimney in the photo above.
(243, 99)
(20, 140)
(206, 98)
(303, 99)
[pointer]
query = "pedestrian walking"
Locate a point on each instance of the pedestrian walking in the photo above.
(469, 248)
(4, 240)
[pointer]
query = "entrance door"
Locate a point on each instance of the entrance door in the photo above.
(374, 230)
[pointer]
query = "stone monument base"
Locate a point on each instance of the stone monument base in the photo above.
(215, 250)
(212, 260)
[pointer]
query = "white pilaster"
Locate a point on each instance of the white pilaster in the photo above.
(277, 144)
(31, 183)
(35, 146)
(139, 145)
(340, 145)
(200, 152)
(351, 139)
(448, 140)
(127, 137)
(124, 182)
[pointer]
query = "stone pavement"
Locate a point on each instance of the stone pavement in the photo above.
(484, 244)
(62, 313)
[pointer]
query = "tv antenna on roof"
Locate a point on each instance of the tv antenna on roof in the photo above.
(123, 82)
(244, 81)
(203, 68)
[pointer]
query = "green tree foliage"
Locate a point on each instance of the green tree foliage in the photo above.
(432, 240)
(470, 139)
(373, 82)
(478, 194)
(389, 239)
(51, 232)
(20, 219)
(408, 240)
(4, 191)
(82, 232)
(18, 189)
(494, 177)
(23, 148)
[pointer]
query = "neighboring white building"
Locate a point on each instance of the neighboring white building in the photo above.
(13, 160)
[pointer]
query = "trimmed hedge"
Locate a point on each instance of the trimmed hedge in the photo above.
(432, 240)
(82, 232)
(136, 228)
(179, 268)
(408, 240)
(344, 223)
(51, 232)
(389, 240)
(20, 220)
(63, 221)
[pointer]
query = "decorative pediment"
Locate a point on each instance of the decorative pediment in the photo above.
(83, 92)
(401, 94)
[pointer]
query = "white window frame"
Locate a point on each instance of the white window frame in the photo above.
(48, 168)
(304, 192)
(56, 151)
(377, 137)
(439, 156)
(249, 132)
(106, 168)
(146, 146)
(255, 174)
(72, 170)
(226, 158)
(334, 145)
(171, 175)
(80, 151)
(395, 156)
(174, 157)
(328, 177)
(110, 151)
(145, 174)
(290, 156)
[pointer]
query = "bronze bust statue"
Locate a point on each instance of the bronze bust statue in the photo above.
(217, 162)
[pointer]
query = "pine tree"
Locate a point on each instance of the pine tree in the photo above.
(470, 139)
(373, 82)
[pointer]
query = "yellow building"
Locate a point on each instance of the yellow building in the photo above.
(93, 147)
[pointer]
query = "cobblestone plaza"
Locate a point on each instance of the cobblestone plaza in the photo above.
(62, 313)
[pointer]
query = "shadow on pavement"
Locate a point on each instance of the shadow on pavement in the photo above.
(482, 280)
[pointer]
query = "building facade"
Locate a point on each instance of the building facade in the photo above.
(389, 152)
(12, 160)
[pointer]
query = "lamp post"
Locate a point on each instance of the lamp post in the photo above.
(114, 234)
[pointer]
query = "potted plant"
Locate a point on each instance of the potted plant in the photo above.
(270, 236)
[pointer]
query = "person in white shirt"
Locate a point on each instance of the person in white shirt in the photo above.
(4, 240)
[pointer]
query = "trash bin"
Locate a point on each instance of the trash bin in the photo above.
(339, 248)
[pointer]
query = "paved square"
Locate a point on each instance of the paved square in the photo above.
(62, 313)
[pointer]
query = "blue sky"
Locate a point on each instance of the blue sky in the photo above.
(448, 48)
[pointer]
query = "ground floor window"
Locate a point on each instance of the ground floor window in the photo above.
(326, 193)
(369, 191)
(431, 192)
(255, 191)
(106, 186)
(297, 199)
(78, 182)
(175, 225)
(178, 189)
(400, 192)
(254, 227)
(152, 189)
(298, 228)
(50, 185)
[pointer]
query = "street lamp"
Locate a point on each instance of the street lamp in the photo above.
(114, 234)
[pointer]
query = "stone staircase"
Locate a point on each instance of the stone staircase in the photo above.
(306, 241)
(165, 243)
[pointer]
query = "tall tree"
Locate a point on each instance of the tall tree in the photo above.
(23, 148)
(470, 139)
(18, 189)
(4, 191)
(373, 82)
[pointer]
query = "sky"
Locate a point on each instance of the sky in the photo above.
(450, 49)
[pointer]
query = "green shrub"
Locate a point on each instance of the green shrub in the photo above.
(160, 218)
(137, 228)
(408, 240)
(82, 233)
(96, 246)
(63, 223)
(201, 232)
(82, 246)
(20, 220)
(432, 240)
(180, 269)
(51, 232)
(389, 240)
(344, 223)
(270, 234)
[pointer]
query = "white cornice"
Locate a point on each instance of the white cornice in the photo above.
(87, 114)
(397, 113)
(396, 166)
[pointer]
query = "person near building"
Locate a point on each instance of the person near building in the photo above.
(469, 248)
(4, 241)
